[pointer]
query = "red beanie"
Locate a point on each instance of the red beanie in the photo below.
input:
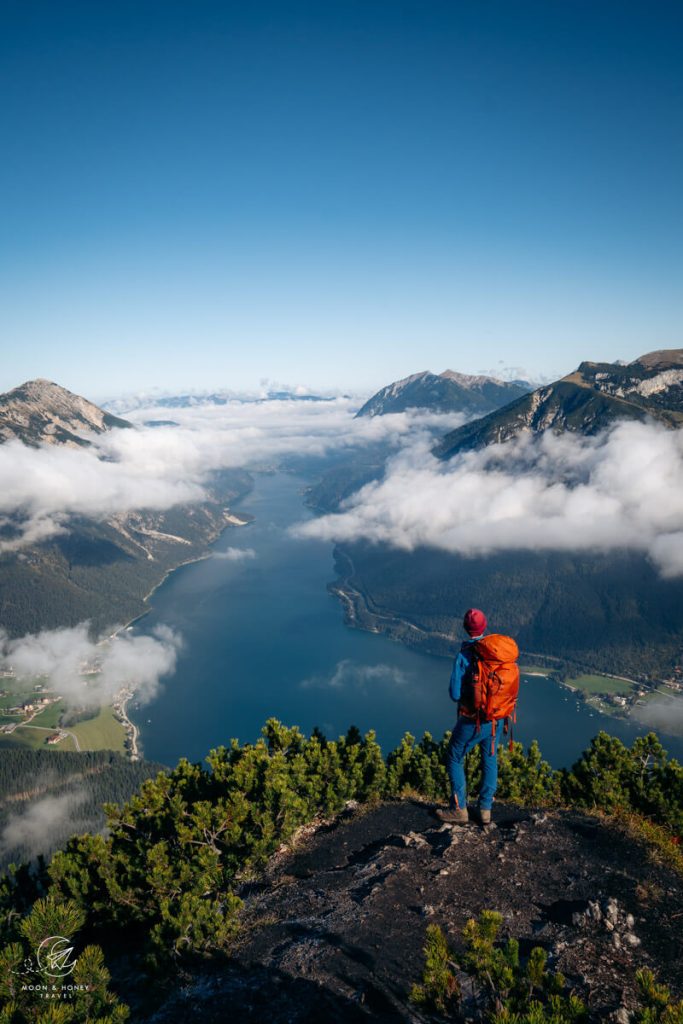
(474, 622)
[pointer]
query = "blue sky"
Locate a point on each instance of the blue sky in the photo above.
(335, 193)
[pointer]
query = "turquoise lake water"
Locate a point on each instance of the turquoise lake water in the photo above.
(263, 638)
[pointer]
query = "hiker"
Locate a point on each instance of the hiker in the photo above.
(485, 683)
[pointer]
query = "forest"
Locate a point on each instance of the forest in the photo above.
(605, 613)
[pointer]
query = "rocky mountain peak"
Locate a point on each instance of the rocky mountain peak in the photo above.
(337, 927)
(468, 380)
(449, 391)
(41, 411)
(661, 359)
(586, 401)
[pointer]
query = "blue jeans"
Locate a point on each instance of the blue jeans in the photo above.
(465, 738)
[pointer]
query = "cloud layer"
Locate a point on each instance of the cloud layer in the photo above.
(158, 467)
(64, 656)
(622, 489)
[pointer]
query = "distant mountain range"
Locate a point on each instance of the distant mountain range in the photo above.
(197, 399)
(101, 569)
(40, 411)
(445, 392)
(586, 401)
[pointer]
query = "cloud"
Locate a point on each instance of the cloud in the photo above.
(620, 490)
(45, 824)
(349, 674)
(235, 554)
(158, 467)
(65, 657)
(665, 715)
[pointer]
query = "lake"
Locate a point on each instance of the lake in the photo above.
(263, 638)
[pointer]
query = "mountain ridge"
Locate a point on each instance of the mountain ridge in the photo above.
(40, 411)
(585, 401)
(100, 569)
(449, 391)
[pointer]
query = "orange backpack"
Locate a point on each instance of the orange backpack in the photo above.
(491, 687)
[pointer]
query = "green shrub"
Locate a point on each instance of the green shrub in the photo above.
(31, 997)
(655, 1002)
(508, 991)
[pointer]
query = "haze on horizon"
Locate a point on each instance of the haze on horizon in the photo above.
(335, 195)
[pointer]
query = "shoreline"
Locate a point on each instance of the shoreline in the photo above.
(358, 615)
(132, 731)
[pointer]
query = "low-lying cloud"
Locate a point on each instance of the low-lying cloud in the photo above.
(157, 467)
(620, 490)
(663, 715)
(88, 673)
(349, 674)
(44, 824)
(235, 554)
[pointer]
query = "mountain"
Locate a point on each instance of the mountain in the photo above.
(203, 398)
(586, 401)
(593, 611)
(297, 879)
(100, 569)
(336, 929)
(444, 392)
(42, 412)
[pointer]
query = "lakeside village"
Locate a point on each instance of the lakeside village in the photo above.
(33, 715)
(612, 695)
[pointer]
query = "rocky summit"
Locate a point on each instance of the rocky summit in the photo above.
(41, 411)
(444, 392)
(335, 930)
(586, 401)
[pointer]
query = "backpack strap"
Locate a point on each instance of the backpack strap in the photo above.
(509, 726)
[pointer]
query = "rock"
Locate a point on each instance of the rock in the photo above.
(609, 926)
(630, 921)
(612, 911)
(616, 940)
(427, 910)
(631, 940)
(621, 1016)
(414, 839)
(594, 910)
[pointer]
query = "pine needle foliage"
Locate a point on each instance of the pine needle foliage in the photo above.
(505, 990)
(656, 1006)
(439, 990)
(29, 996)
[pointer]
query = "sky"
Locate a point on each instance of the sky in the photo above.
(335, 195)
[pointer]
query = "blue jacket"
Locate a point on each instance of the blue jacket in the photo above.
(462, 662)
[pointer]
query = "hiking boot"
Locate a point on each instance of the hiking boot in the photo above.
(482, 816)
(453, 815)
